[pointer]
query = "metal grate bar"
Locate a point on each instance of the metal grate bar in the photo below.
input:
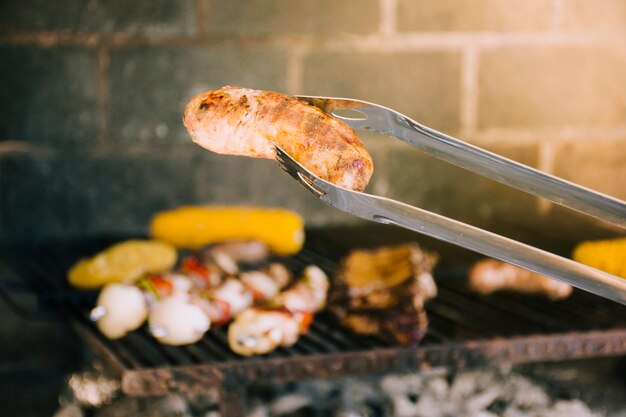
(464, 328)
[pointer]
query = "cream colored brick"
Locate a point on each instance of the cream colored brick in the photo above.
(474, 15)
(263, 17)
(552, 86)
(423, 85)
(423, 181)
(594, 15)
(599, 165)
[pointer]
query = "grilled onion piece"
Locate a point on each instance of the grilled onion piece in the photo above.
(260, 330)
(121, 308)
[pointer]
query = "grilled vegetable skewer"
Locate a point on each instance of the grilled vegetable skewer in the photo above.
(236, 294)
(121, 308)
(259, 330)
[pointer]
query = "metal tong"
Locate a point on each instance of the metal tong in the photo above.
(370, 116)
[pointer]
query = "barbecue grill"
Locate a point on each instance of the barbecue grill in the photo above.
(465, 329)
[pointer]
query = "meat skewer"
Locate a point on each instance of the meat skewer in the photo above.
(181, 306)
(259, 330)
(236, 294)
(122, 308)
(184, 318)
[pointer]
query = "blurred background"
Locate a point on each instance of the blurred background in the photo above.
(92, 94)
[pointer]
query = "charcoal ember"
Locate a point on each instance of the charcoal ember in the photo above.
(482, 400)
(410, 396)
(382, 292)
(480, 413)
(438, 387)
(516, 412)
(527, 394)
(499, 406)
(479, 393)
(354, 411)
(357, 392)
(258, 411)
(202, 400)
(92, 388)
(69, 410)
(170, 405)
(467, 384)
(291, 405)
(324, 389)
(570, 408)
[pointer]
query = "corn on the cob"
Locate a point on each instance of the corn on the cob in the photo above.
(194, 226)
(124, 262)
(607, 255)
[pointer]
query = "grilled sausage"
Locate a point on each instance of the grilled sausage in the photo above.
(242, 121)
(490, 275)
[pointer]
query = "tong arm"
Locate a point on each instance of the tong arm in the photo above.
(387, 211)
(447, 148)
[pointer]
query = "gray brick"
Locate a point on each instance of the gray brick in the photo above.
(593, 15)
(423, 181)
(150, 87)
(599, 165)
(263, 17)
(424, 86)
(47, 94)
(436, 186)
(160, 17)
(78, 192)
(474, 15)
(537, 86)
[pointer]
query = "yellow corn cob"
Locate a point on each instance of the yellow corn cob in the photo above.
(123, 262)
(606, 255)
(194, 226)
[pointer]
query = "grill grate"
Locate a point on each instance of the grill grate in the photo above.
(465, 329)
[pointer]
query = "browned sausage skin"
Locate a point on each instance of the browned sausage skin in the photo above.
(243, 121)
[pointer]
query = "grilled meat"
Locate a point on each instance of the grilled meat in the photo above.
(242, 121)
(383, 292)
(236, 294)
(259, 330)
(490, 275)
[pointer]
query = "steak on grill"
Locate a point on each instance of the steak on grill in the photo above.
(383, 291)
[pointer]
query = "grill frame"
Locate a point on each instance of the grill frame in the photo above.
(466, 330)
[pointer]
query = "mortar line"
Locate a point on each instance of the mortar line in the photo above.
(557, 17)
(203, 8)
(8, 147)
(388, 17)
(102, 82)
(405, 41)
(468, 112)
(556, 134)
(45, 39)
(545, 163)
(295, 69)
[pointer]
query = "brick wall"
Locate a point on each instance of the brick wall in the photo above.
(92, 93)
